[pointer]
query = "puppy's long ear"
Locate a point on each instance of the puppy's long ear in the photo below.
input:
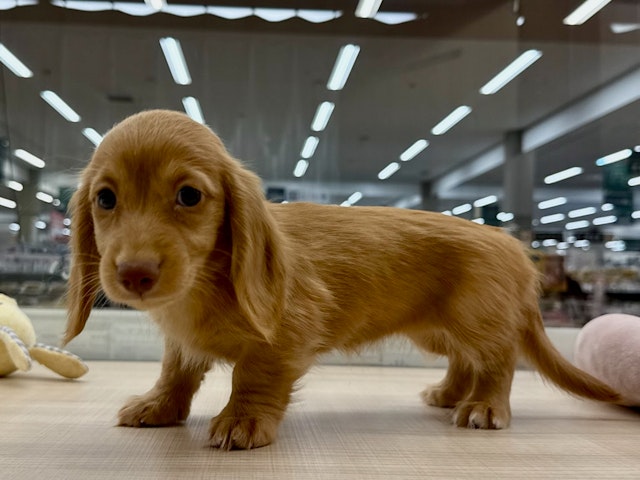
(84, 281)
(258, 260)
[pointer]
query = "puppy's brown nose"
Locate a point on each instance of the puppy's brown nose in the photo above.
(138, 277)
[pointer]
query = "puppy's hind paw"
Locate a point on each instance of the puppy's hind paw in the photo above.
(481, 415)
(150, 411)
(241, 433)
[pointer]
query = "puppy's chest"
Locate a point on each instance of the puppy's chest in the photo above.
(202, 336)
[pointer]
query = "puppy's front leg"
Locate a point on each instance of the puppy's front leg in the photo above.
(262, 386)
(169, 401)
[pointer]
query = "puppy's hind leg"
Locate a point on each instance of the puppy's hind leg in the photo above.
(459, 379)
(169, 401)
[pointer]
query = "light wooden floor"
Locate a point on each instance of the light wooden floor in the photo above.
(346, 423)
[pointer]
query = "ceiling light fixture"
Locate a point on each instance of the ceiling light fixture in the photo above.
(367, 8)
(414, 150)
(342, 68)
(556, 217)
(14, 227)
(29, 158)
(605, 220)
(93, 136)
(563, 175)
(515, 68)
(585, 11)
(483, 202)
(552, 202)
(353, 198)
(619, 28)
(157, 5)
(60, 106)
(577, 225)
(13, 63)
(16, 186)
(321, 118)
(395, 18)
(175, 59)
(450, 120)
(309, 147)
(460, 209)
(192, 107)
(633, 182)
(6, 203)
(301, 168)
(44, 197)
(636, 149)
(582, 212)
(389, 170)
(614, 157)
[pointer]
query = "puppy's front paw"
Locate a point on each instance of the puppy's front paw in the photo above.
(229, 432)
(481, 415)
(150, 411)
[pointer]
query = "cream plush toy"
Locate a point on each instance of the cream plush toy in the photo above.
(18, 345)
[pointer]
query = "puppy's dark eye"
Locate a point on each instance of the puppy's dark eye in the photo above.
(106, 199)
(188, 197)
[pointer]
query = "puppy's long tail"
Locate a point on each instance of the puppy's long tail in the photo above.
(551, 364)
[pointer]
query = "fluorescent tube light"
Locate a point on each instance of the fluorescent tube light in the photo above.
(483, 202)
(175, 59)
(342, 68)
(318, 16)
(447, 213)
(582, 212)
(635, 181)
(16, 186)
(323, 113)
(460, 209)
(354, 198)
(577, 225)
(192, 107)
(389, 170)
(450, 120)
(13, 63)
(478, 220)
(552, 202)
(549, 242)
(157, 5)
(607, 207)
(614, 157)
(367, 8)
(274, 14)
(301, 168)
(60, 106)
(605, 220)
(93, 136)
(29, 158)
(636, 148)
(309, 147)
(14, 227)
(563, 175)
(556, 217)
(44, 197)
(505, 216)
(619, 28)
(230, 13)
(514, 69)
(414, 150)
(585, 11)
(395, 18)
(6, 203)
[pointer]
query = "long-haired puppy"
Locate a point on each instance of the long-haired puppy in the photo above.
(166, 221)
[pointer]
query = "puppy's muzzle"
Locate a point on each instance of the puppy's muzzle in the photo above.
(138, 277)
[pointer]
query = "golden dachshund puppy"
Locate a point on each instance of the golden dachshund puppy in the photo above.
(166, 221)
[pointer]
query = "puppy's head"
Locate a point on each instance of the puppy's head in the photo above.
(157, 195)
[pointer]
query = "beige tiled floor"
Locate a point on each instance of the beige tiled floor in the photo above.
(346, 423)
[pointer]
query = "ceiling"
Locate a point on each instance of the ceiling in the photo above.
(259, 84)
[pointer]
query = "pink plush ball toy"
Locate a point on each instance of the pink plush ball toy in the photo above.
(608, 347)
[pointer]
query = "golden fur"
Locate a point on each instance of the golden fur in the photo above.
(268, 287)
